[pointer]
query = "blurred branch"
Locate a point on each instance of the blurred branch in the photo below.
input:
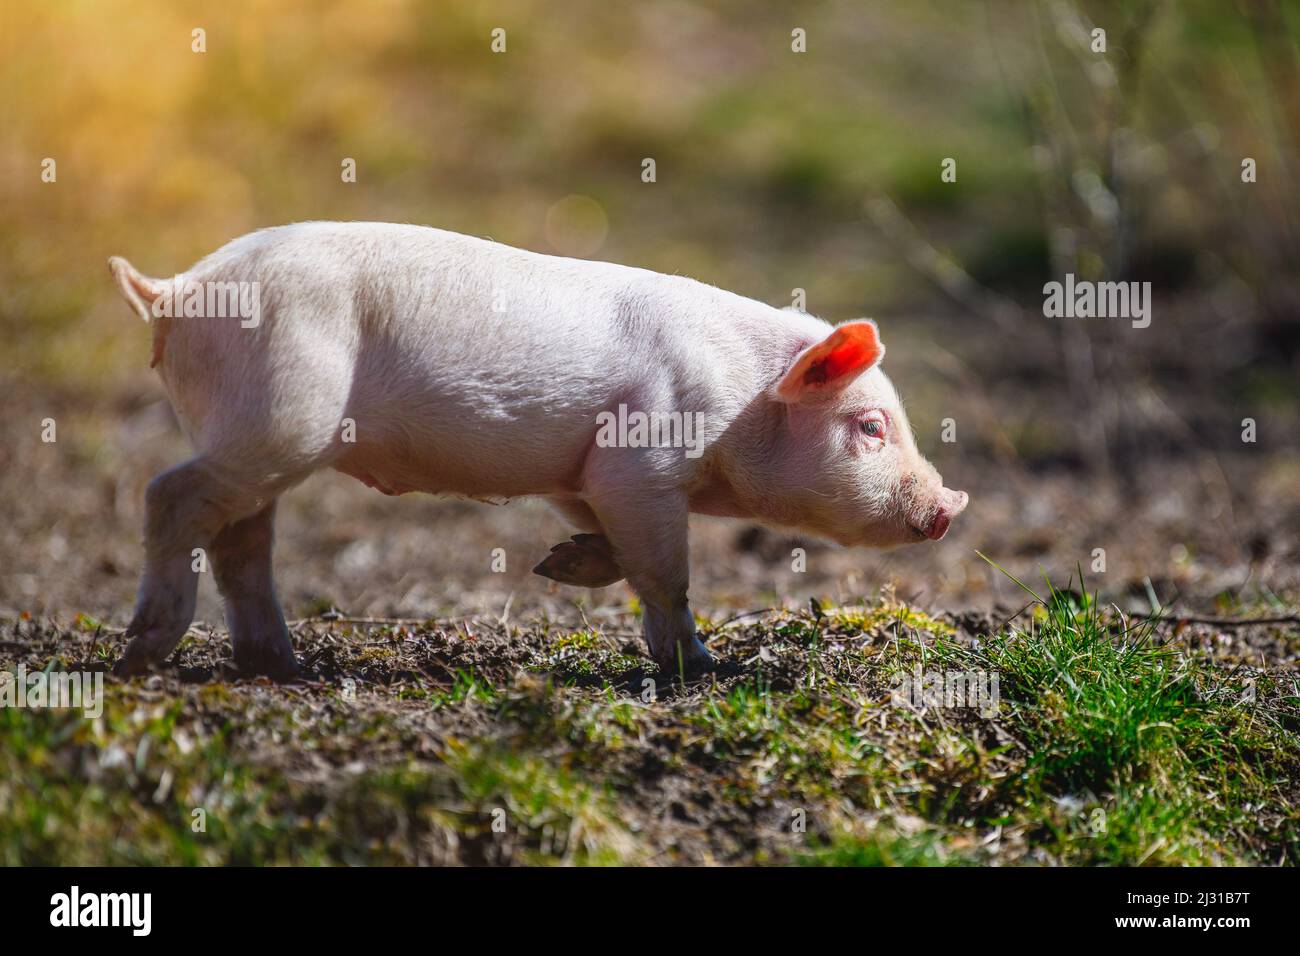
(1281, 64)
(976, 403)
(946, 274)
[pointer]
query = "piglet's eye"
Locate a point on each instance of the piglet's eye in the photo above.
(873, 428)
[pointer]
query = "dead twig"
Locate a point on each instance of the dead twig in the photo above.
(1001, 627)
(394, 621)
(1230, 621)
(740, 617)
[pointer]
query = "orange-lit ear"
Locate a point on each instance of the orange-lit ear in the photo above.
(832, 363)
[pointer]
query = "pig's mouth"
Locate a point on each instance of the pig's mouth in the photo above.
(934, 529)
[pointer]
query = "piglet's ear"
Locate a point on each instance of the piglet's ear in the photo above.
(833, 363)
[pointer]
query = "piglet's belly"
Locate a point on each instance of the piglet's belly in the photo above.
(388, 486)
(399, 474)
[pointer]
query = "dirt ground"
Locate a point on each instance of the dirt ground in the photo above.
(474, 742)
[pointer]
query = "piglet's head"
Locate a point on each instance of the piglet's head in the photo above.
(847, 466)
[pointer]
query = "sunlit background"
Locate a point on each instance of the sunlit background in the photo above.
(776, 171)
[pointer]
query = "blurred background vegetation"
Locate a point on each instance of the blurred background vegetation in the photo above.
(776, 171)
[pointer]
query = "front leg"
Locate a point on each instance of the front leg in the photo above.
(647, 528)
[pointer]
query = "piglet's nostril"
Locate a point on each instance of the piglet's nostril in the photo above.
(953, 502)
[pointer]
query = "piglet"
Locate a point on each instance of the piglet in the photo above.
(414, 359)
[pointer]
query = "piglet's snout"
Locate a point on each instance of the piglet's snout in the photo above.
(951, 504)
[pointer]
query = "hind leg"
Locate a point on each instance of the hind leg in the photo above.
(587, 560)
(184, 508)
(241, 561)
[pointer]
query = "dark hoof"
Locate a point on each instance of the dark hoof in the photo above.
(134, 662)
(692, 661)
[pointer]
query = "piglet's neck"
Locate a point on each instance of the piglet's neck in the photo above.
(732, 481)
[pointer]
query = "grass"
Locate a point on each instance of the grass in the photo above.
(581, 656)
(1108, 746)
(879, 849)
(1159, 749)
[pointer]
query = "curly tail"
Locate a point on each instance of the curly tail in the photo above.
(141, 292)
